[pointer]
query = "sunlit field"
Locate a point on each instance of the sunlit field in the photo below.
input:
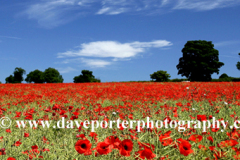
(124, 101)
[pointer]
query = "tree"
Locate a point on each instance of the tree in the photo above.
(17, 76)
(35, 76)
(160, 76)
(238, 63)
(10, 79)
(200, 60)
(52, 75)
(224, 75)
(86, 76)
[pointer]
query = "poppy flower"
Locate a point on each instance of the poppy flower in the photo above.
(83, 147)
(8, 130)
(103, 148)
(210, 138)
(2, 151)
(165, 139)
(195, 138)
(201, 117)
(126, 147)
(214, 129)
(11, 158)
(228, 143)
(34, 149)
(113, 141)
(26, 134)
(18, 143)
(185, 147)
(146, 153)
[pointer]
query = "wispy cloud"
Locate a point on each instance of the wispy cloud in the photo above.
(202, 5)
(113, 49)
(228, 56)
(226, 43)
(52, 13)
(111, 11)
(10, 37)
(66, 70)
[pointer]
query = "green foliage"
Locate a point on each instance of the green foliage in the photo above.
(86, 76)
(160, 76)
(10, 79)
(224, 75)
(200, 60)
(226, 79)
(52, 75)
(238, 63)
(178, 80)
(35, 76)
(17, 76)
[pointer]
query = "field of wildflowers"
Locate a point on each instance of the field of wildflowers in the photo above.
(125, 101)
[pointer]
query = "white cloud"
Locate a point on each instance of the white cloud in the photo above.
(113, 49)
(98, 63)
(88, 62)
(66, 70)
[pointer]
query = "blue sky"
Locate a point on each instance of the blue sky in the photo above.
(119, 40)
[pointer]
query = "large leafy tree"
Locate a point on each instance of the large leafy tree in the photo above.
(200, 60)
(238, 63)
(86, 76)
(17, 76)
(160, 76)
(35, 76)
(51, 75)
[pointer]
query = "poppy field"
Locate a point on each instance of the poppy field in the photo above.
(124, 101)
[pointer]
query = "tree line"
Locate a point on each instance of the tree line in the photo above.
(199, 61)
(50, 75)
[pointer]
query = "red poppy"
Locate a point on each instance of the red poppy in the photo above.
(18, 143)
(215, 129)
(195, 138)
(201, 117)
(146, 153)
(34, 149)
(8, 130)
(11, 158)
(113, 142)
(2, 151)
(184, 147)
(103, 148)
(165, 138)
(83, 147)
(26, 134)
(126, 147)
(210, 138)
(228, 143)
